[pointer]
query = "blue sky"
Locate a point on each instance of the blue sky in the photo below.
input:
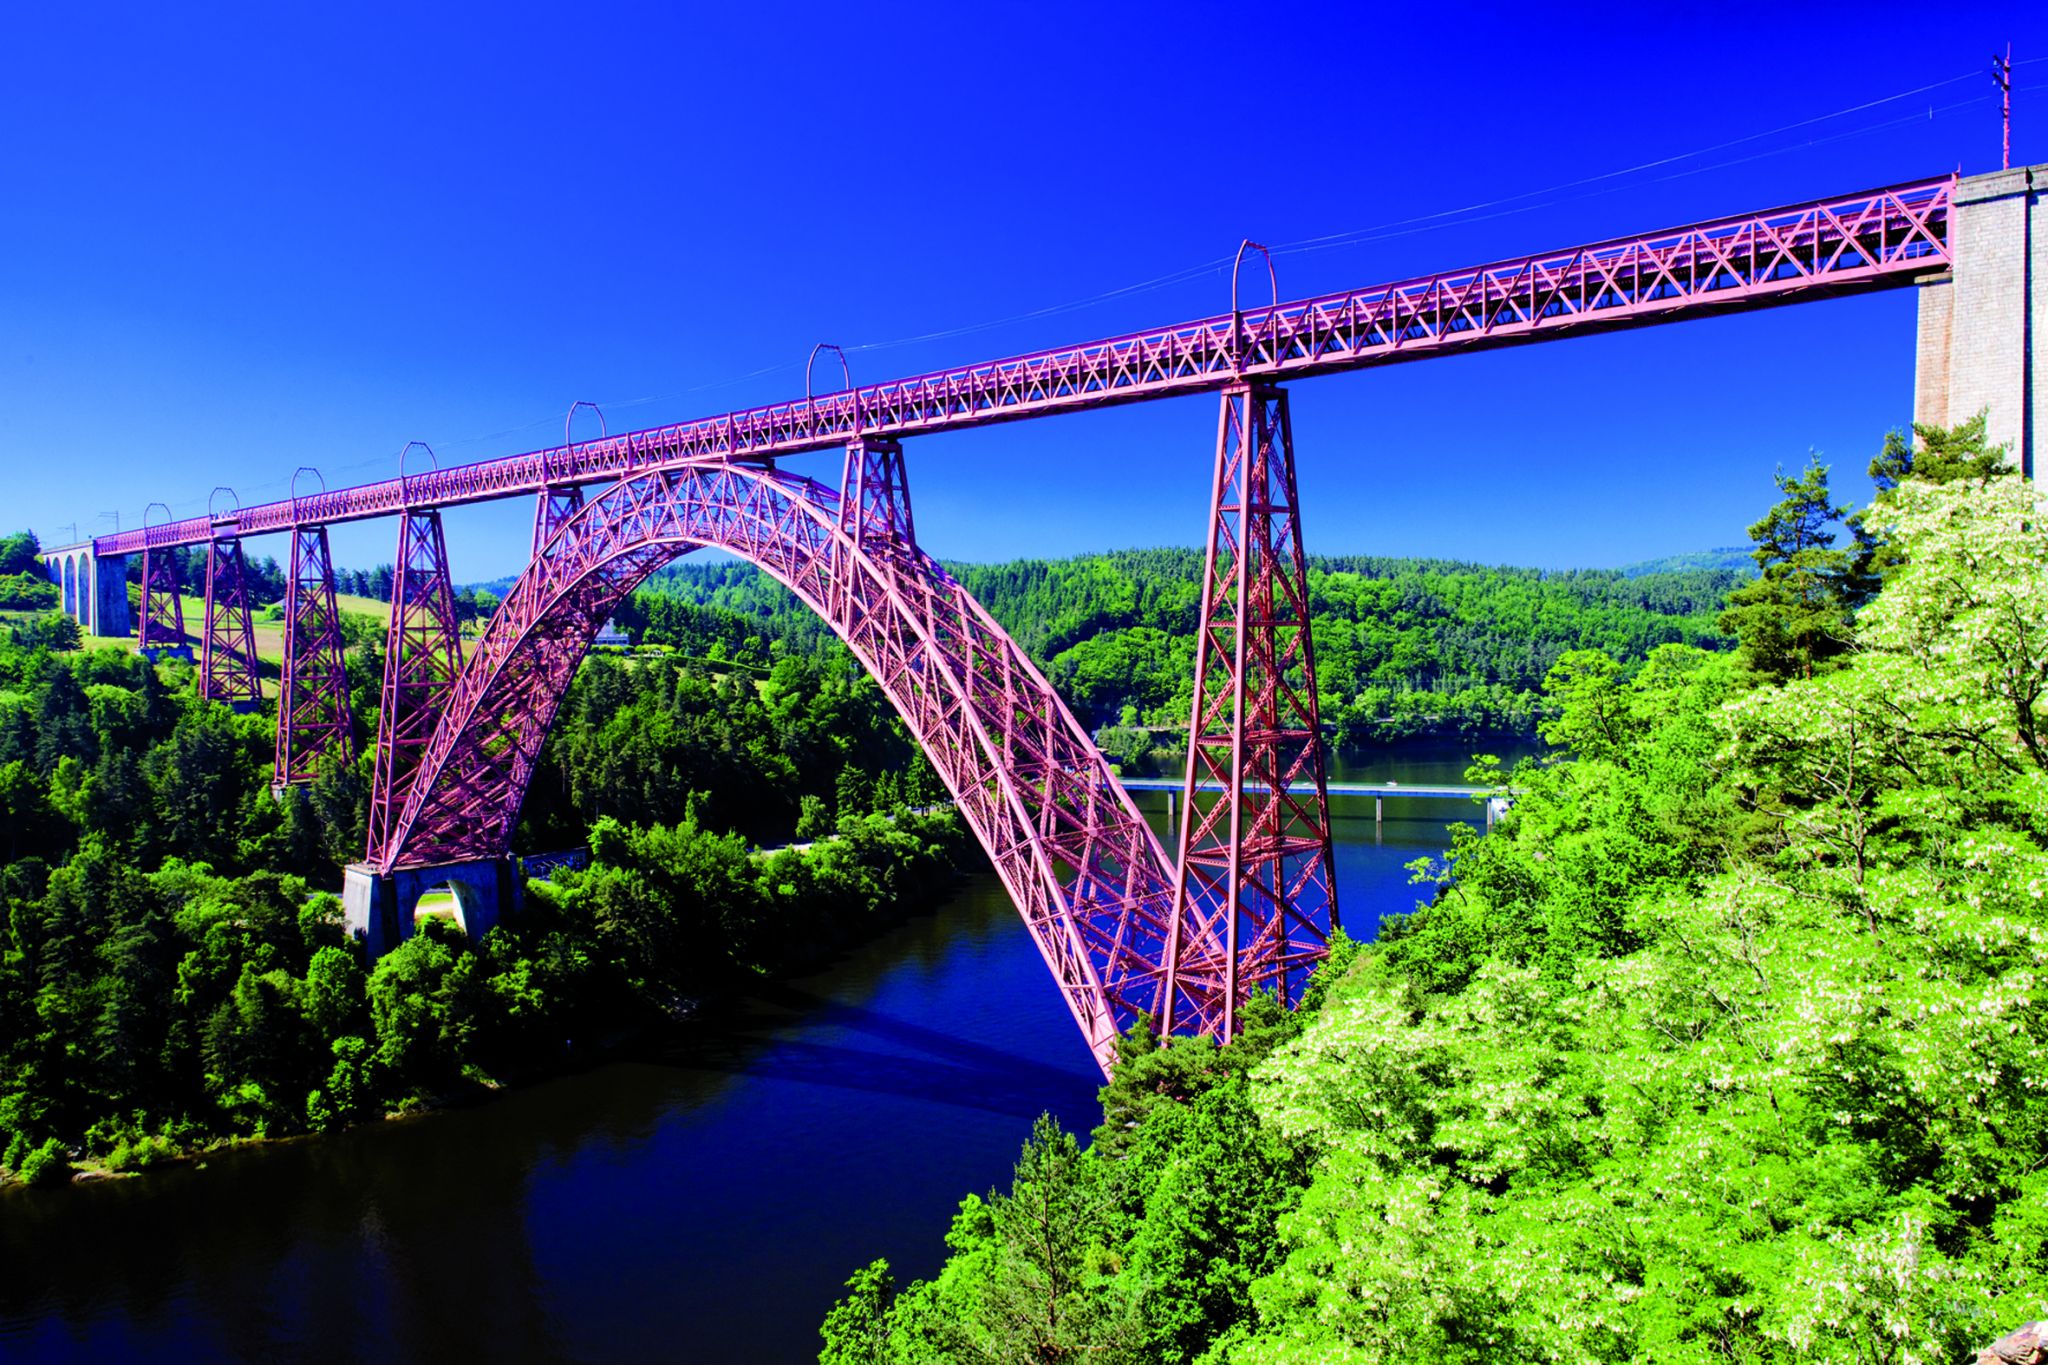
(234, 242)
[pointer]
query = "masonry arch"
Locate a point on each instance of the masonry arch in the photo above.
(1087, 874)
(70, 587)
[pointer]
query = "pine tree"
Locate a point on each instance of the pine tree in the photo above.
(63, 723)
(1796, 616)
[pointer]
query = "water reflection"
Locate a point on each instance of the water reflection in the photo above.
(916, 1062)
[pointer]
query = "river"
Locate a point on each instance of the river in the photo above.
(704, 1202)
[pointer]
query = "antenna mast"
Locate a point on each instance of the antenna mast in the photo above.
(2001, 76)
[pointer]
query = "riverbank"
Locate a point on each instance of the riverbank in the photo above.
(701, 1194)
(618, 954)
(309, 1038)
(1142, 753)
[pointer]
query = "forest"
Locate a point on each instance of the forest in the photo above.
(23, 585)
(1722, 1046)
(1725, 1045)
(1405, 648)
(174, 973)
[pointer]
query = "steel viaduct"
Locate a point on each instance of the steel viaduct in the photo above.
(1246, 899)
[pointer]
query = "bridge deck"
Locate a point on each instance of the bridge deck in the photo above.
(1437, 790)
(1876, 239)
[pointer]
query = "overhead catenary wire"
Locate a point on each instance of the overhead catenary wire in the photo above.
(1524, 201)
(1315, 244)
(1445, 217)
(1340, 238)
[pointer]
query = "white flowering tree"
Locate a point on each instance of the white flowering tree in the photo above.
(1792, 1103)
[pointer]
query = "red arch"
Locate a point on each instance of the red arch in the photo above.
(1086, 873)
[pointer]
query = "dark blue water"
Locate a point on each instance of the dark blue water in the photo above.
(705, 1203)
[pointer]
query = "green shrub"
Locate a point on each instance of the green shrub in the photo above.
(48, 1164)
(28, 592)
(139, 1152)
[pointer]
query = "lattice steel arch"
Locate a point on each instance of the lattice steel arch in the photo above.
(1087, 874)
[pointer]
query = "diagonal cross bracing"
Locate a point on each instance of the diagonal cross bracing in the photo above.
(1848, 243)
(163, 608)
(227, 643)
(314, 718)
(554, 506)
(422, 661)
(1255, 879)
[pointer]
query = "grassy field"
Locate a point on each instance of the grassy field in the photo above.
(439, 902)
(269, 633)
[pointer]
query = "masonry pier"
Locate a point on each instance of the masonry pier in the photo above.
(378, 907)
(1981, 322)
(93, 587)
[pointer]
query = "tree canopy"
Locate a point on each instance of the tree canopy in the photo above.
(1404, 647)
(1724, 1045)
(172, 966)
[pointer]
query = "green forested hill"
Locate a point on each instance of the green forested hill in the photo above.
(1404, 647)
(1736, 559)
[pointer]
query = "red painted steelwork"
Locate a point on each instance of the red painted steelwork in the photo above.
(874, 511)
(314, 719)
(558, 502)
(874, 494)
(227, 645)
(551, 508)
(163, 610)
(1253, 900)
(1086, 873)
(422, 660)
(1849, 243)
(1254, 875)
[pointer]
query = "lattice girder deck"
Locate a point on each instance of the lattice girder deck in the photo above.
(1874, 239)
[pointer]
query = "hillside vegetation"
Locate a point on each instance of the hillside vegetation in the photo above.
(1727, 1045)
(1404, 647)
(173, 968)
(1734, 558)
